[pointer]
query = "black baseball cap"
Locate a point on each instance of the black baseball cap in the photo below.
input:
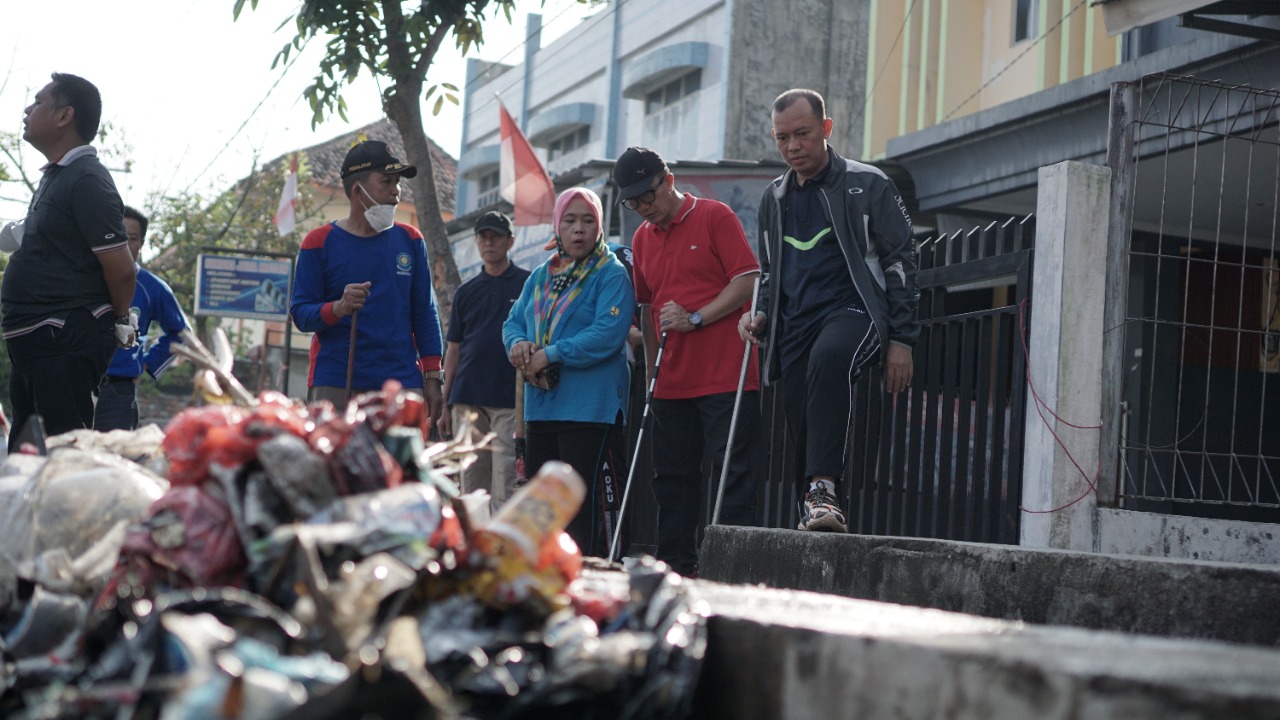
(493, 220)
(374, 155)
(634, 171)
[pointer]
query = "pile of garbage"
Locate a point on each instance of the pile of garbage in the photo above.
(291, 561)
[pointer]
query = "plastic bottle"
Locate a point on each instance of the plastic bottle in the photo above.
(539, 510)
(529, 558)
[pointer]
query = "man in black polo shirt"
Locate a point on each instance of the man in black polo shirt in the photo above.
(67, 289)
(477, 374)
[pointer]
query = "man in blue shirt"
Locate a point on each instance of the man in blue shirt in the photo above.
(477, 374)
(117, 407)
(368, 263)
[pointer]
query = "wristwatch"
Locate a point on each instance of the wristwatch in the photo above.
(124, 320)
(695, 319)
(432, 375)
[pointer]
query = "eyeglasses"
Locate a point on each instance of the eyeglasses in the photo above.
(645, 198)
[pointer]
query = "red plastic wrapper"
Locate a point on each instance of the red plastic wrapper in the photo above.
(597, 603)
(227, 435)
(393, 406)
(192, 438)
(187, 539)
(276, 413)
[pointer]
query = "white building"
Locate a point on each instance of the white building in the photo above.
(692, 79)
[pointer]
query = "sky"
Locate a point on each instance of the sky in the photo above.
(192, 91)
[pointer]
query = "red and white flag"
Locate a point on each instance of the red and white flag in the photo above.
(285, 219)
(524, 182)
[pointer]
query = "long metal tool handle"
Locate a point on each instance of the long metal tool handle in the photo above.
(351, 351)
(733, 421)
(635, 452)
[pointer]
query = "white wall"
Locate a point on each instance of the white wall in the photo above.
(575, 67)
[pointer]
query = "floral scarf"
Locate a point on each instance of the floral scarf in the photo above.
(563, 284)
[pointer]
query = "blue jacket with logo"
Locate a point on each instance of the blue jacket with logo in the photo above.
(398, 331)
(588, 343)
(152, 301)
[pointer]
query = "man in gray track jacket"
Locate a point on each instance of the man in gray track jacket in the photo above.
(839, 292)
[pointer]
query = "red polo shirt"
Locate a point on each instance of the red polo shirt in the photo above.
(690, 262)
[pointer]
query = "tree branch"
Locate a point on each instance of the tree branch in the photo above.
(424, 64)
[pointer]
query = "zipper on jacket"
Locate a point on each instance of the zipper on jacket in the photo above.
(848, 265)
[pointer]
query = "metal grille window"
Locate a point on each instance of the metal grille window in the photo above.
(670, 114)
(566, 144)
(1196, 427)
(488, 184)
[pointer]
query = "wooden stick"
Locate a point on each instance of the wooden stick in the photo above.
(351, 351)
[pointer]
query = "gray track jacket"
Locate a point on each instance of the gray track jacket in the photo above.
(874, 231)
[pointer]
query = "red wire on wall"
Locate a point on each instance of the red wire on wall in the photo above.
(1041, 408)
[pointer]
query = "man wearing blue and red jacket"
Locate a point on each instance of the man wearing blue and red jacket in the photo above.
(153, 301)
(368, 263)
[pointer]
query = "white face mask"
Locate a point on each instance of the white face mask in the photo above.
(379, 217)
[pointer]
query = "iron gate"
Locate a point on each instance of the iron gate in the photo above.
(1194, 378)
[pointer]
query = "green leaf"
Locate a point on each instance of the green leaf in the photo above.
(450, 87)
(435, 110)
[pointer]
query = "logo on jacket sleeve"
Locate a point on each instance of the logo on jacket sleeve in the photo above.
(404, 266)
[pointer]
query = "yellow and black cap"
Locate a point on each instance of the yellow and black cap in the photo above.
(374, 155)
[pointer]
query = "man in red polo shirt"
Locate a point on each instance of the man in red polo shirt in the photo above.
(694, 269)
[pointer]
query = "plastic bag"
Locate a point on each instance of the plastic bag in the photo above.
(188, 539)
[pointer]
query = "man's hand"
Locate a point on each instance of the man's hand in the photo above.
(353, 298)
(434, 396)
(445, 426)
(897, 368)
(126, 335)
(750, 327)
(674, 317)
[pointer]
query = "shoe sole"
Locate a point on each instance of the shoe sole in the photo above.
(827, 523)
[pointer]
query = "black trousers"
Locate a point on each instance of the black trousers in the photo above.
(595, 451)
(682, 431)
(55, 373)
(817, 391)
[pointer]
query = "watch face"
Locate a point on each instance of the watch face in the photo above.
(695, 318)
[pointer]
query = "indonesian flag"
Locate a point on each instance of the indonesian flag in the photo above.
(525, 184)
(285, 219)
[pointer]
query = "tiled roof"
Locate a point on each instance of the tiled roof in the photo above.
(326, 161)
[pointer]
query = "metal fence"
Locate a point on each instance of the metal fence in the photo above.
(1195, 406)
(944, 459)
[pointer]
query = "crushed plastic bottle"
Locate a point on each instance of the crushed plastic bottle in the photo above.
(532, 558)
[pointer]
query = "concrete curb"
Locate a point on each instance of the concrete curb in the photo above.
(1175, 598)
(787, 654)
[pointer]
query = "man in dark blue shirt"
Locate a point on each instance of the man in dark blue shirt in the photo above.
(478, 377)
(839, 293)
(68, 288)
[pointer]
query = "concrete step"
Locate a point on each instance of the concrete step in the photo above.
(1172, 598)
(782, 654)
